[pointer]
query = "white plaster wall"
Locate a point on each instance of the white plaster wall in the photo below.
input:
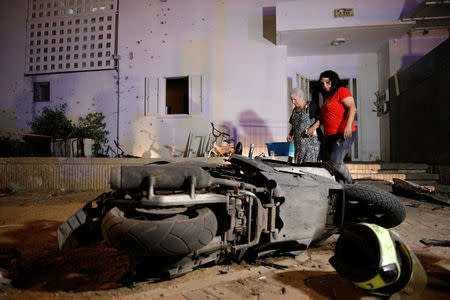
(405, 51)
(82, 92)
(15, 105)
(312, 66)
(364, 68)
(367, 80)
(310, 14)
(244, 74)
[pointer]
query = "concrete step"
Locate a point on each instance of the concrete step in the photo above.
(404, 171)
(425, 182)
(403, 166)
(442, 188)
(386, 167)
(387, 171)
(422, 176)
(431, 180)
(377, 176)
(363, 168)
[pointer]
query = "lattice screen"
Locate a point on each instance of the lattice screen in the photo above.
(70, 35)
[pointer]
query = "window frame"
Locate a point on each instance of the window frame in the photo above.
(41, 89)
(155, 96)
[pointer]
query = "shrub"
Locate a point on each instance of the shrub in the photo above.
(93, 127)
(53, 123)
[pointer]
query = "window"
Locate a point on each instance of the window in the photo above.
(178, 95)
(65, 19)
(41, 91)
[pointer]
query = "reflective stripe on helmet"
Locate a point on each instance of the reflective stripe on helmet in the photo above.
(389, 268)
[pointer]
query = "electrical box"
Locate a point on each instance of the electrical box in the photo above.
(344, 12)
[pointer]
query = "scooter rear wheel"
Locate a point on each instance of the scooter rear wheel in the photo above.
(177, 235)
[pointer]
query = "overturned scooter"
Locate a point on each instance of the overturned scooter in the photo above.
(377, 260)
(172, 217)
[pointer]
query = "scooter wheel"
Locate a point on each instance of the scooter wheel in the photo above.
(369, 204)
(177, 235)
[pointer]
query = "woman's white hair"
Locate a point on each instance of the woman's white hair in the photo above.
(300, 93)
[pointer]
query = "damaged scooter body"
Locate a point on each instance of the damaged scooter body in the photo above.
(308, 203)
(243, 209)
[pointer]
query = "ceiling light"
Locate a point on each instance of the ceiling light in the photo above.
(337, 42)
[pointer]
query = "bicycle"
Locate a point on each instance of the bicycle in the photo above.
(222, 151)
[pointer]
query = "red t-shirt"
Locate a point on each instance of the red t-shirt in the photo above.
(334, 115)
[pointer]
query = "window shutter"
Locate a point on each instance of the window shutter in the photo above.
(162, 96)
(195, 94)
(151, 96)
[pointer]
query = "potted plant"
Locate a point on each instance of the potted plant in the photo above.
(92, 133)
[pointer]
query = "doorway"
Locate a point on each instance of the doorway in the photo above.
(316, 96)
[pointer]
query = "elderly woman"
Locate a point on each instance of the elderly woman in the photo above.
(303, 116)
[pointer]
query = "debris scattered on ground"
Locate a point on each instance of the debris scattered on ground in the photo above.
(415, 205)
(413, 190)
(11, 225)
(44, 274)
(276, 266)
(262, 278)
(434, 242)
(438, 207)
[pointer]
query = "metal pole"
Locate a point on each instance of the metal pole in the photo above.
(116, 62)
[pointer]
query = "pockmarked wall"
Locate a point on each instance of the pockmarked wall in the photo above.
(83, 92)
(244, 75)
(15, 102)
(364, 68)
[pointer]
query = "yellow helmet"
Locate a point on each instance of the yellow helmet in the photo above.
(375, 259)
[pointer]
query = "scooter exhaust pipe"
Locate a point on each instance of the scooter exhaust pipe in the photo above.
(165, 177)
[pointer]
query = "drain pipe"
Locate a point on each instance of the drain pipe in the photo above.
(116, 66)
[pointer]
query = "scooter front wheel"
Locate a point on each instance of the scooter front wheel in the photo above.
(177, 235)
(368, 204)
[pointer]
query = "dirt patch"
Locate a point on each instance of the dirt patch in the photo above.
(29, 249)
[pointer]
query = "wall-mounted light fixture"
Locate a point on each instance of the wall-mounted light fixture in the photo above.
(337, 41)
